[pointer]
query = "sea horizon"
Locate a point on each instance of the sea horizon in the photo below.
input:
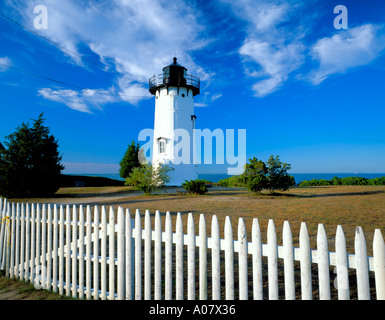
(215, 177)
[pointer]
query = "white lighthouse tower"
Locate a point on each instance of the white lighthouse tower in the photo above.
(174, 92)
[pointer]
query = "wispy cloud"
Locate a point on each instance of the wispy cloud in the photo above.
(270, 51)
(6, 61)
(133, 38)
(345, 50)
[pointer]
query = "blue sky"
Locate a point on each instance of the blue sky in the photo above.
(302, 89)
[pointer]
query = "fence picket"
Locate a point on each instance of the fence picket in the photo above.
(305, 263)
(81, 251)
(158, 258)
(229, 259)
(379, 263)
(138, 257)
(147, 256)
(11, 265)
(179, 258)
(49, 249)
(323, 263)
(190, 257)
(22, 242)
(168, 258)
(27, 241)
(120, 255)
(68, 252)
(242, 260)
(55, 254)
(342, 281)
(215, 255)
(288, 257)
(17, 242)
(202, 258)
(272, 260)
(103, 263)
(257, 260)
(74, 251)
(95, 293)
(61, 250)
(361, 265)
(3, 213)
(111, 258)
(43, 255)
(129, 258)
(32, 246)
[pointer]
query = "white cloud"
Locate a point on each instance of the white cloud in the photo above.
(83, 101)
(276, 63)
(271, 51)
(135, 38)
(6, 61)
(345, 50)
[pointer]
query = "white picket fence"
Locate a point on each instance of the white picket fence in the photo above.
(84, 253)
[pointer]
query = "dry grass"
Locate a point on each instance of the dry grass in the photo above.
(348, 206)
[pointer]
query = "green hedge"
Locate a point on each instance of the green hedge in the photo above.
(347, 181)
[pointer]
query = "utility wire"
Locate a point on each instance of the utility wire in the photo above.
(63, 83)
(56, 44)
(42, 77)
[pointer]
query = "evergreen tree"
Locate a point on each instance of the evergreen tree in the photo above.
(30, 164)
(130, 160)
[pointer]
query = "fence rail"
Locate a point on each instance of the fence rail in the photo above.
(86, 253)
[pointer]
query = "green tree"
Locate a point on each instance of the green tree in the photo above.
(130, 160)
(149, 178)
(278, 178)
(254, 176)
(30, 164)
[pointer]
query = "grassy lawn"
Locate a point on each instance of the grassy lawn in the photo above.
(12, 289)
(349, 206)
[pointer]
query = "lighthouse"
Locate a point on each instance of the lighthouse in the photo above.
(174, 122)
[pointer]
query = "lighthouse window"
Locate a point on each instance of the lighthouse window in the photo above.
(162, 147)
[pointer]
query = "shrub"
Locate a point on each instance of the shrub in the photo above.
(197, 186)
(149, 178)
(30, 165)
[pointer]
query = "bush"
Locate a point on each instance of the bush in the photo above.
(30, 165)
(149, 178)
(232, 182)
(197, 186)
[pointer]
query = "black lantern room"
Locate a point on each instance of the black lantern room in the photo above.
(174, 75)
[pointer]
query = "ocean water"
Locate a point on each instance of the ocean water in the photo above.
(297, 176)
